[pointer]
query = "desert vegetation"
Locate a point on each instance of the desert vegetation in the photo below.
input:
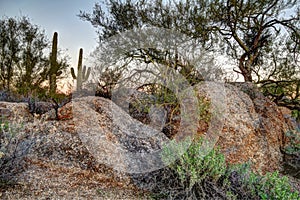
(157, 52)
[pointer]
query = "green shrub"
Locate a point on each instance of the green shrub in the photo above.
(204, 174)
(296, 114)
(195, 172)
(294, 142)
(271, 186)
(268, 186)
(193, 165)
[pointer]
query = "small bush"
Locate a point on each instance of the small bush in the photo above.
(296, 114)
(195, 175)
(195, 166)
(107, 82)
(294, 142)
(271, 186)
(192, 176)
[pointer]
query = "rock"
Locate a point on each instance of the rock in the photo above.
(253, 129)
(65, 112)
(9, 96)
(17, 112)
(94, 144)
(290, 120)
(285, 111)
(115, 138)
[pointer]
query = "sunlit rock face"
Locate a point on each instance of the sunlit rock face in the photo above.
(253, 127)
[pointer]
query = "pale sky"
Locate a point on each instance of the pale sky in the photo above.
(60, 16)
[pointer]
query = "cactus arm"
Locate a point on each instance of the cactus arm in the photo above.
(73, 73)
(87, 74)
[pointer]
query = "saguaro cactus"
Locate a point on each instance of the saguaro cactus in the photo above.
(54, 66)
(82, 73)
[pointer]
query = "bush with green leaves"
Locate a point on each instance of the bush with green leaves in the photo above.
(296, 115)
(197, 174)
(293, 137)
(195, 164)
(270, 186)
(284, 93)
(192, 176)
(107, 82)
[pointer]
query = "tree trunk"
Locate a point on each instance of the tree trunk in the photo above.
(245, 68)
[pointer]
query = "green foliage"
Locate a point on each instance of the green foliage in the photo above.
(271, 186)
(4, 126)
(24, 66)
(250, 32)
(204, 109)
(293, 138)
(8, 132)
(22, 60)
(107, 81)
(196, 167)
(296, 115)
(124, 16)
(162, 97)
(291, 153)
(82, 74)
(193, 165)
(247, 27)
(284, 93)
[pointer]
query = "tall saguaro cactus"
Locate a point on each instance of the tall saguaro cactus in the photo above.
(82, 73)
(54, 66)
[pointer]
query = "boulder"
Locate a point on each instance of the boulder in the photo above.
(115, 138)
(17, 112)
(93, 145)
(253, 127)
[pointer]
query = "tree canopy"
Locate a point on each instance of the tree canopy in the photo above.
(262, 37)
(246, 30)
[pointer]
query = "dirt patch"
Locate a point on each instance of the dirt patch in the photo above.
(48, 180)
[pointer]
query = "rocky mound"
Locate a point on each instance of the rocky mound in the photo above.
(253, 128)
(94, 144)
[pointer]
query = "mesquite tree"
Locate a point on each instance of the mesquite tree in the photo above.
(246, 29)
(262, 37)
